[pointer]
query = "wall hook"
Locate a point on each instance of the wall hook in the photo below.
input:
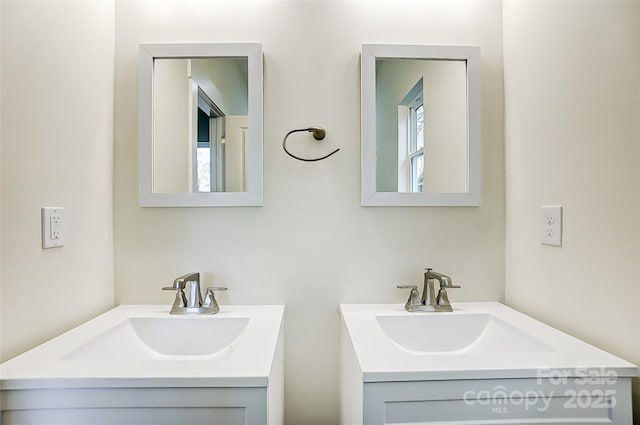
(319, 133)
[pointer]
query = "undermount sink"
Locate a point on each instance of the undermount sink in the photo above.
(452, 333)
(151, 338)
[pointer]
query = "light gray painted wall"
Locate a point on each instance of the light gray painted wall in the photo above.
(57, 150)
(572, 122)
(312, 246)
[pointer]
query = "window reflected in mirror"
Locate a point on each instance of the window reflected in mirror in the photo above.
(421, 125)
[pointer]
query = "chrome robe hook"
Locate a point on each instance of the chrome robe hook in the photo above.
(319, 133)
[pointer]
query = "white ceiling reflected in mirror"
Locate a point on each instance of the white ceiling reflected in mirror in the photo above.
(200, 125)
(421, 125)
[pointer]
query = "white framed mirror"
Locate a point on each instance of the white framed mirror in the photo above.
(421, 125)
(200, 124)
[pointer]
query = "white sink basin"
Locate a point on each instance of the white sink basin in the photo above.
(134, 345)
(485, 340)
(482, 363)
(137, 364)
(426, 333)
(163, 338)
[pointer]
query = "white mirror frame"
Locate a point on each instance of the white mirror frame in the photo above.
(253, 195)
(470, 54)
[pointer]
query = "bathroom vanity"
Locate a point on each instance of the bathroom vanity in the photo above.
(483, 363)
(140, 365)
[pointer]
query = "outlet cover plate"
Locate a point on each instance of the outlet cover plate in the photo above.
(551, 225)
(52, 227)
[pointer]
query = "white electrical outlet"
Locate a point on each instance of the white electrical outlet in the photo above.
(52, 227)
(551, 225)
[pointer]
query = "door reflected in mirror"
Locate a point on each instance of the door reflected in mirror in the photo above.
(421, 125)
(200, 124)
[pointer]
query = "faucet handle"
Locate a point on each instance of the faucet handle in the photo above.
(414, 296)
(180, 300)
(210, 302)
(179, 287)
(217, 288)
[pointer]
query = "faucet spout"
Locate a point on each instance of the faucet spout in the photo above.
(180, 282)
(443, 279)
(191, 282)
(429, 301)
(192, 302)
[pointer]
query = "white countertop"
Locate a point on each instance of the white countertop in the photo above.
(382, 360)
(245, 363)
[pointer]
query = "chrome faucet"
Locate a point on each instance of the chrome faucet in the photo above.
(192, 302)
(429, 301)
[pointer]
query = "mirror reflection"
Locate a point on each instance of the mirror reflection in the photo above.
(421, 125)
(200, 124)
